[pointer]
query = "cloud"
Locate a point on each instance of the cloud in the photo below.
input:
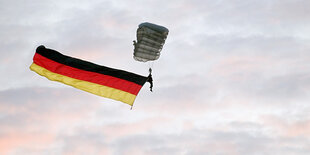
(33, 119)
(288, 127)
(66, 122)
(232, 78)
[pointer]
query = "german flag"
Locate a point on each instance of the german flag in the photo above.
(100, 80)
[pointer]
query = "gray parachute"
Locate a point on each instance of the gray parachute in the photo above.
(150, 41)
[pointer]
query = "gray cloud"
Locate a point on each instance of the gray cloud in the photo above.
(232, 78)
(74, 121)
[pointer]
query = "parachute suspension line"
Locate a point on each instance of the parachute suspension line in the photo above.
(151, 64)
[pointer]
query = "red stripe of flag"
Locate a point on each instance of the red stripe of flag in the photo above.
(93, 77)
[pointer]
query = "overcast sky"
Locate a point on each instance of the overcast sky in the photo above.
(233, 78)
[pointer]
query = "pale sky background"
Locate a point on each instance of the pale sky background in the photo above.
(233, 78)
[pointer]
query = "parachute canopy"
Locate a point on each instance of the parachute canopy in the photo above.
(150, 41)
